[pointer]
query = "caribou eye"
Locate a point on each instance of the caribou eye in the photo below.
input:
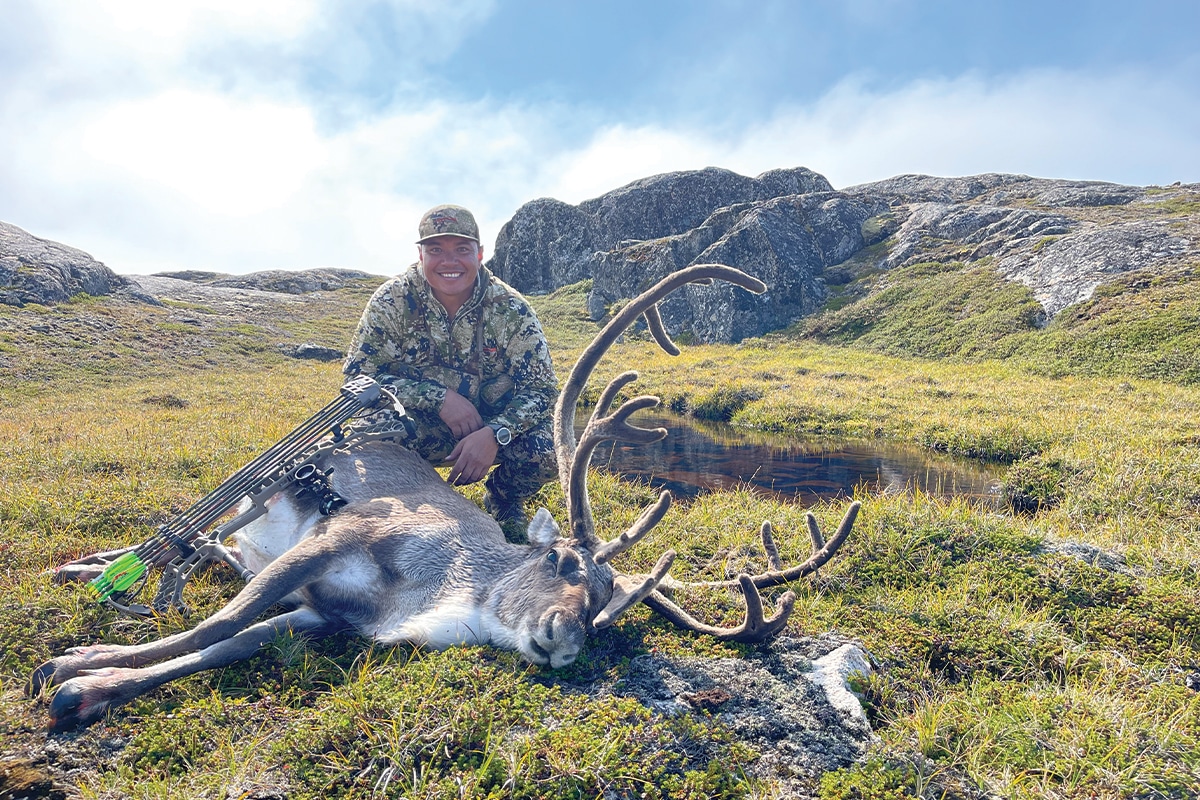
(552, 557)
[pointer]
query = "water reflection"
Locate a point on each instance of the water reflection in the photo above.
(697, 457)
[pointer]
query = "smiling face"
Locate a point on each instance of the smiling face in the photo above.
(450, 265)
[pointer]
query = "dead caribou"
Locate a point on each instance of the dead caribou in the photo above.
(410, 559)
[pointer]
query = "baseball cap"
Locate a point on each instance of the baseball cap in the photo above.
(447, 220)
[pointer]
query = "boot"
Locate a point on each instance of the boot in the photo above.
(509, 513)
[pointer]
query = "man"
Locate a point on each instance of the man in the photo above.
(465, 355)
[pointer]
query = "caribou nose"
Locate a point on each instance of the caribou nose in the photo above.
(561, 634)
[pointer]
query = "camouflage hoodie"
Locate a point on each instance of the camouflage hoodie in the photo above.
(493, 353)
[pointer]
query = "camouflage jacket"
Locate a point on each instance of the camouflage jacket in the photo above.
(493, 353)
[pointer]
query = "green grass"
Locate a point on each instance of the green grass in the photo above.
(1137, 325)
(1006, 664)
(933, 311)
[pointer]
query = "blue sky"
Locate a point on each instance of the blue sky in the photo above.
(237, 135)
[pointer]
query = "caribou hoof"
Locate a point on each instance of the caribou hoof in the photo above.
(59, 670)
(54, 672)
(87, 568)
(77, 573)
(76, 704)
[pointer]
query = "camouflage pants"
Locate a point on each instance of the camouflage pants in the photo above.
(523, 466)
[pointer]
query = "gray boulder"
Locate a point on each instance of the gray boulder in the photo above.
(34, 270)
(664, 205)
(787, 242)
(548, 244)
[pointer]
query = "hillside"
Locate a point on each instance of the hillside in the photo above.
(1065, 277)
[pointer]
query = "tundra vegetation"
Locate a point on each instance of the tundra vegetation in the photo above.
(1039, 650)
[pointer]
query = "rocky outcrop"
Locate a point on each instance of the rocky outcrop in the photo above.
(1062, 239)
(34, 270)
(321, 279)
(1066, 270)
(791, 702)
(548, 243)
(787, 242)
(792, 230)
(788, 227)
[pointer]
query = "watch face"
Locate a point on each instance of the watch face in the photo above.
(503, 436)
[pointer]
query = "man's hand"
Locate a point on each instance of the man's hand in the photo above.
(460, 416)
(472, 457)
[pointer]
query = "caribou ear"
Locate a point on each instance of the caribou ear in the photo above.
(629, 590)
(543, 530)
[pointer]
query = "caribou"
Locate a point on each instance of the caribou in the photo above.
(410, 559)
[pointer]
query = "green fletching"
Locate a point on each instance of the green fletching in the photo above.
(119, 576)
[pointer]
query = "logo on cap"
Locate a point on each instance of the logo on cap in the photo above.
(441, 221)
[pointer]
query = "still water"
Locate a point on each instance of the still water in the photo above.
(699, 456)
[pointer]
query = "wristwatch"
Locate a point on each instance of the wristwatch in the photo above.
(503, 434)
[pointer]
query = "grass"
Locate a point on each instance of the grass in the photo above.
(932, 310)
(1137, 325)
(1036, 652)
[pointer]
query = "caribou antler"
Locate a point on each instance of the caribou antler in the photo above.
(573, 460)
(756, 626)
(604, 426)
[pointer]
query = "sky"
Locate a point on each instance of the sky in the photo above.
(242, 135)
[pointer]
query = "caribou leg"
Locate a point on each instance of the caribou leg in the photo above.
(84, 699)
(289, 572)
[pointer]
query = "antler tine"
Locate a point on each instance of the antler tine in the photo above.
(822, 552)
(572, 459)
(659, 331)
(755, 627)
(614, 427)
(643, 525)
(610, 392)
(629, 590)
(768, 543)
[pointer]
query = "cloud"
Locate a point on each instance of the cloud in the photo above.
(1124, 126)
(220, 155)
(188, 135)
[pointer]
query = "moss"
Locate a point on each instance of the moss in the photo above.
(877, 778)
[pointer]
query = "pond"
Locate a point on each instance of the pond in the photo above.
(699, 456)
